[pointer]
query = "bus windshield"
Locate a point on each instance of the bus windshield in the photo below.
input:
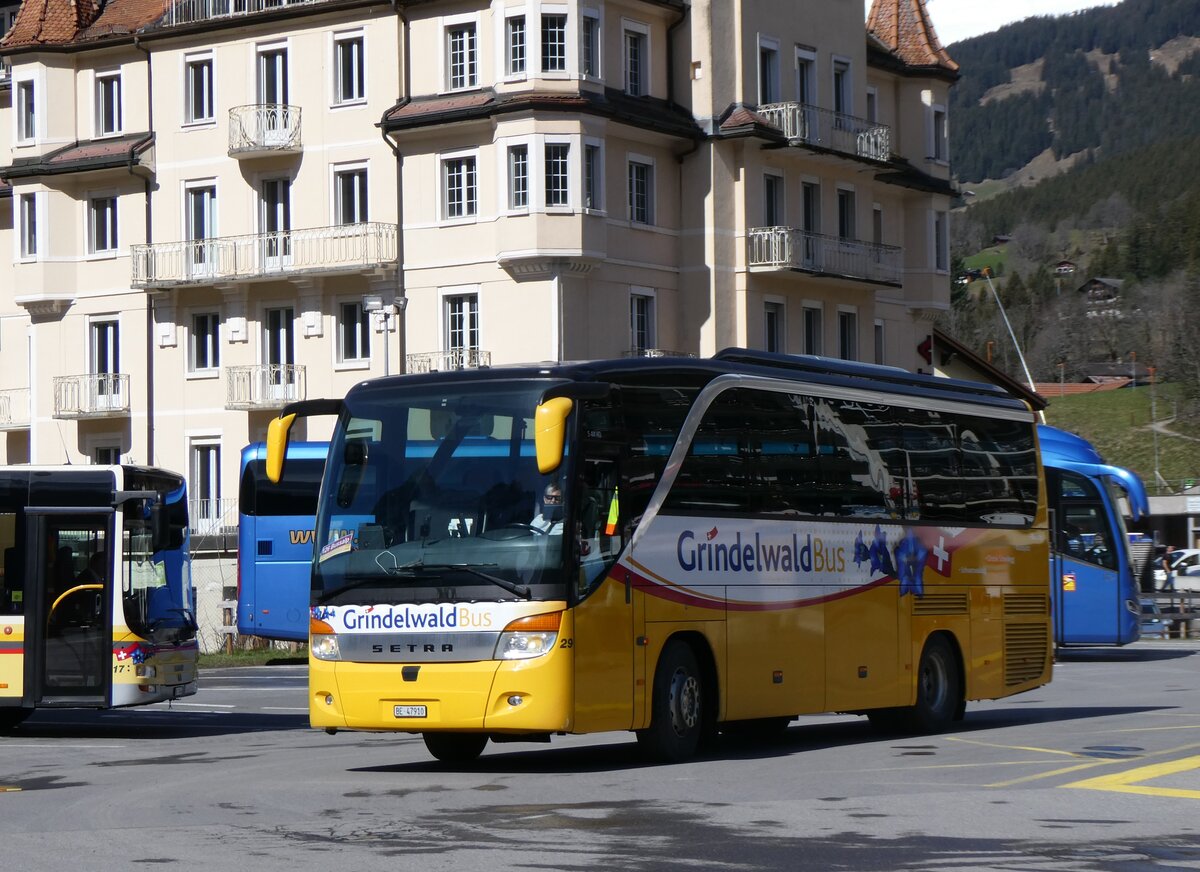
(433, 494)
(156, 572)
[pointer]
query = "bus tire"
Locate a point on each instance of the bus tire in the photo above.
(456, 747)
(676, 708)
(939, 689)
(10, 718)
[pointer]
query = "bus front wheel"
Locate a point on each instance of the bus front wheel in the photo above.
(455, 747)
(676, 708)
(939, 689)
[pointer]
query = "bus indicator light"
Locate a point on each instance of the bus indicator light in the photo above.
(1068, 581)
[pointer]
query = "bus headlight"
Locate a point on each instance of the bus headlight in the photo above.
(526, 638)
(325, 647)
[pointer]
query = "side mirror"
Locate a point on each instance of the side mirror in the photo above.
(550, 432)
(277, 441)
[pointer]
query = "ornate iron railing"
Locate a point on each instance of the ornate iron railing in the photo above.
(93, 395)
(264, 127)
(792, 248)
(805, 124)
(192, 11)
(14, 409)
(444, 361)
(264, 386)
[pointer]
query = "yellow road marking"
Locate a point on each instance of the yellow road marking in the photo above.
(1015, 747)
(1130, 780)
(4, 789)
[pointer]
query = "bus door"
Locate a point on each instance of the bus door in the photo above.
(1088, 599)
(70, 634)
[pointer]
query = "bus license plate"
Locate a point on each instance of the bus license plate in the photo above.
(410, 711)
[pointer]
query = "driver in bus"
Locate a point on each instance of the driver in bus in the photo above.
(549, 518)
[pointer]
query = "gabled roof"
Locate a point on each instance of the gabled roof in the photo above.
(903, 28)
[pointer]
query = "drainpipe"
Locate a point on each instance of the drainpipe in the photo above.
(405, 79)
(147, 187)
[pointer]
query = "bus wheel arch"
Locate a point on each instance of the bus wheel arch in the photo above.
(941, 695)
(683, 700)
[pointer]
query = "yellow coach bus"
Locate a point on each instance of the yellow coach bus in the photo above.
(96, 607)
(677, 547)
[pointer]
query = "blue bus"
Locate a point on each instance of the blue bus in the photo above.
(275, 541)
(1096, 593)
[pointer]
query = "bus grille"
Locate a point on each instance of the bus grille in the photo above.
(1025, 648)
(941, 604)
(1025, 604)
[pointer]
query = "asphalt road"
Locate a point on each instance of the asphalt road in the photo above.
(1100, 770)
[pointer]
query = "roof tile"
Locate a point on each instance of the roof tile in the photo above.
(905, 28)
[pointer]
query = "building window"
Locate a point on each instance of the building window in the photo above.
(350, 69)
(350, 196)
(276, 221)
(105, 362)
(842, 103)
(198, 84)
(641, 192)
(872, 105)
(102, 224)
(462, 61)
(462, 322)
(773, 200)
(204, 345)
(459, 187)
(847, 226)
(812, 330)
(879, 343)
(768, 71)
(636, 84)
(273, 80)
(806, 76)
(941, 242)
(554, 43)
(108, 104)
(518, 177)
(590, 44)
(279, 353)
(29, 232)
(516, 49)
(557, 175)
(773, 326)
(939, 135)
(26, 112)
(354, 333)
(106, 455)
(593, 177)
(201, 226)
(206, 481)
(641, 320)
(848, 335)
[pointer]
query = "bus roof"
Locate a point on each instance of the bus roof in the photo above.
(815, 370)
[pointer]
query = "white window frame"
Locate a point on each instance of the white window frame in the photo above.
(816, 309)
(450, 23)
(939, 239)
(777, 304)
(445, 294)
(638, 292)
(595, 15)
(96, 444)
(806, 58)
(629, 26)
(506, 153)
(939, 139)
(506, 71)
(570, 176)
(30, 244)
(339, 42)
(363, 335)
(597, 206)
(213, 370)
(769, 90)
(844, 338)
(844, 191)
(106, 87)
(208, 444)
(651, 194)
(113, 229)
(443, 159)
(192, 63)
(336, 173)
(27, 120)
(569, 44)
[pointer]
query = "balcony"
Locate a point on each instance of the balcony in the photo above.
(343, 248)
(194, 11)
(14, 409)
(804, 124)
(95, 395)
(264, 386)
(444, 361)
(213, 516)
(656, 352)
(264, 130)
(789, 248)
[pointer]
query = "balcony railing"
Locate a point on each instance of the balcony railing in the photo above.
(95, 395)
(191, 11)
(264, 386)
(444, 361)
(14, 409)
(805, 124)
(656, 352)
(320, 250)
(789, 248)
(263, 129)
(210, 516)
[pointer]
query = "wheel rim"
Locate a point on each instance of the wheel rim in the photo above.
(934, 684)
(684, 702)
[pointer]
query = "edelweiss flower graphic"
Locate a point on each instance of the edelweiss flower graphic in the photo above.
(910, 558)
(881, 560)
(861, 553)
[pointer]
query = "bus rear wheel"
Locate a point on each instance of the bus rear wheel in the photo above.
(939, 689)
(456, 747)
(677, 707)
(10, 718)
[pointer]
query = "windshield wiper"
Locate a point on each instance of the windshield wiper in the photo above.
(512, 587)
